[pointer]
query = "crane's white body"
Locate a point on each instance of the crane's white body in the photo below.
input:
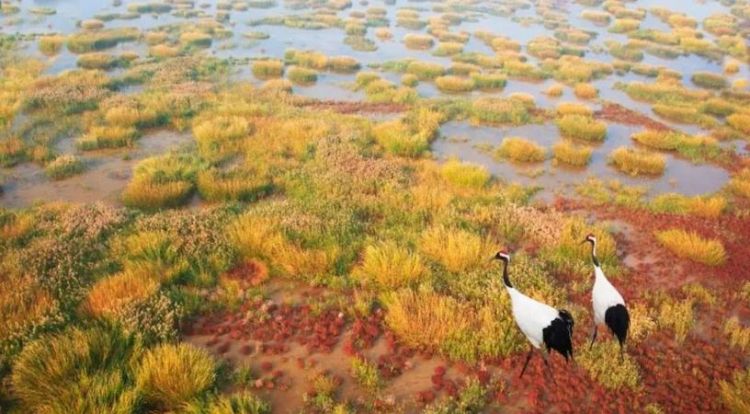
(531, 316)
(604, 295)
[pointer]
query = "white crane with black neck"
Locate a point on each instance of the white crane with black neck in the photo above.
(539, 322)
(609, 306)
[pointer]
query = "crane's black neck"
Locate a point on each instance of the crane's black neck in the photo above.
(506, 279)
(593, 253)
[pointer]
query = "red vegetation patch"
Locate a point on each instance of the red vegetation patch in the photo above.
(250, 273)
(614, 112)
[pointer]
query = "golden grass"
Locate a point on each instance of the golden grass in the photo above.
(308, 59)
(691, 245)
(214, 185)
(710, 207)
(740, 121)
(465, 175)
(739, 336)
(172, 374)
(112, 294)
(568, 153)
(383, 33)
(456, 249)
(637, 162)
(418, 41)
(521, 150)
(100, 137)
(343, 64)
(51, 45)
(99, 60)
(217, 135)
(582, 127)
(425, 319)
(302, 76)
(735, 394)
(145, 194)
(572, 108)
(677, 315)
(585, 91)
(388, 265)
(454, 84)
(555, 90)
(196, 39)
(425, 70)
(662, 140)
(604, 366)
(268, 69)
(126, 116)
(278, 86)
(740, 183)
(163, 51)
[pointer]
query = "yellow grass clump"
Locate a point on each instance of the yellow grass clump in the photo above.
(343, 64)
(555, 90)
(568, 153)
(128, 116)
(740, 121)
(606, 368)
(163, 51)
(735, 393)
(99, 137)
(150, 195)
(171, 374)
(637, 162)
(572, 108)
(214, 185)
(521, 150)
(454, 84)
(216, 135)
(465, 175)
(711, 207)
(418, 41)
(278, 86)
(51, 45)
(740, 183)
(677, 315)
(383, 33)
(691, 245)
(582, 127)
(389, 265)
(661, 140)
(308, 59)
(268, 69)
(456, 249)
(739, 336)
(111, 294)
(585, 91)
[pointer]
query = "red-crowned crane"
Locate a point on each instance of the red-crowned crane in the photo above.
(609, 306)
(539, 322)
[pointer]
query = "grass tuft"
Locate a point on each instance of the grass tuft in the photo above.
(637, 162)
(521, 150)
(582, 127)
(465, 175)
(691, 245)
(388, 265)
(568, 153)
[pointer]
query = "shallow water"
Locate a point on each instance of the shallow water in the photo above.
(104, 177)
(467, 142)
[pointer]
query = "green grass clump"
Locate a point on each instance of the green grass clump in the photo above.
(500, 111)
(684, 114)
(454, 84)
(161, 182)
(268, 69)
(103, 137)
(390, 266)
(302, 76)
(149, 7)
(51, 45)
(162, 387)
(637, 162)
(64, 166)
(489, 80)
(709, 80)
(425, 70)
(102, 39)
(691, 245)
(78, 370)
(568, 153)
(582, 127)
(418, 41)
(104, 61)
(465, 175)
(521, 150)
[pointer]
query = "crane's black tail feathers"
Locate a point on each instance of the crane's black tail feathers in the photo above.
(618, 321)
(559, 334)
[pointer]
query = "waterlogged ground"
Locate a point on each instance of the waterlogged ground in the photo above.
(288, 205)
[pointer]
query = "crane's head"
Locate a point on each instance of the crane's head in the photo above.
(503, 255)
(590, 238)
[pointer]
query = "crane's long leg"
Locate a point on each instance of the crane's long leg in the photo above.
(528, 358)
(593, 335)
(546, 364)
(622, 358)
